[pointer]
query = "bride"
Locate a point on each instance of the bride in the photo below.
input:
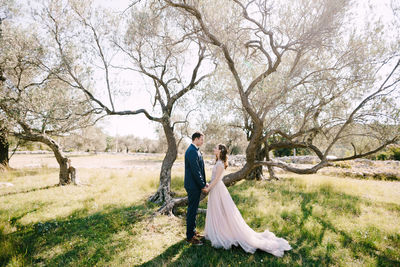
(225, 225)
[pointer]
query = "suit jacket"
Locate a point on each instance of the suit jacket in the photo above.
(195, 176)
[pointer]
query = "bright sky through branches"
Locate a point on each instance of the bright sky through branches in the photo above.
(135, 91)
(140, 126)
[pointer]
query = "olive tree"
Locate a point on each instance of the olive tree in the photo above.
(304, 75)
(35, 105)
(151, 41)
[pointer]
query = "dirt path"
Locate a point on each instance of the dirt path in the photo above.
(95, 161)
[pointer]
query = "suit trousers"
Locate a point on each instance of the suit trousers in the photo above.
(193, 205)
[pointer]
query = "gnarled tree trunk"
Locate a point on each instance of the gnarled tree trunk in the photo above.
(271, 171)
(163, 193)
(257, 173)
(255, 141)
(62, 160)
(4, 160)
(169, 206)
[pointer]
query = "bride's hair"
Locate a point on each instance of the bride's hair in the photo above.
(223, 155)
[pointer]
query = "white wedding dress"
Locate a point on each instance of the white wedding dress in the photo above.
(225, 225)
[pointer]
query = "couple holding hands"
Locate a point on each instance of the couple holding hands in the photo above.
(224, 225)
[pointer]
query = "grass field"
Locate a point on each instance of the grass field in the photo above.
(327, 220)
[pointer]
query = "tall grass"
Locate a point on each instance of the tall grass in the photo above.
(327, 220)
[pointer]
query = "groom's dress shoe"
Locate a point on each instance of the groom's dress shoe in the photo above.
(194, 241)
(199, 236)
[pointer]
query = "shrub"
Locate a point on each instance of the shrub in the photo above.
(395, 151)
(392, 153)
(282, 152)
(382, 156)
(235, 150)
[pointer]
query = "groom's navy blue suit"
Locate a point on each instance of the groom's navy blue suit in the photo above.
(195, 180)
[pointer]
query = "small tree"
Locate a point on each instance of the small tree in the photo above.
(36, 105)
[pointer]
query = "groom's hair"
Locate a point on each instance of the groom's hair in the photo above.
(197, 135)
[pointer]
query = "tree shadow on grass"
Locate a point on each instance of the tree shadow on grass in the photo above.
(184, 254)
(343, 205)
(30, 190)
(340, 204)
(309, 246)
(21, 172)
(81, 239)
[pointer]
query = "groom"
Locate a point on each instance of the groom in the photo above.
(195, 183)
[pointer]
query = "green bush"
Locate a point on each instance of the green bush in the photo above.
(235, 150)
(382, 156)
(282, 152)
(395, 151)
(392, 153)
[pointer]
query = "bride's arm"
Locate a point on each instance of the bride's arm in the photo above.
(218, 177)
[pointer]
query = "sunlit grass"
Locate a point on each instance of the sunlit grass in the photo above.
(108, 221)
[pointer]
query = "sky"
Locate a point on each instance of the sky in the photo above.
(137, 98)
